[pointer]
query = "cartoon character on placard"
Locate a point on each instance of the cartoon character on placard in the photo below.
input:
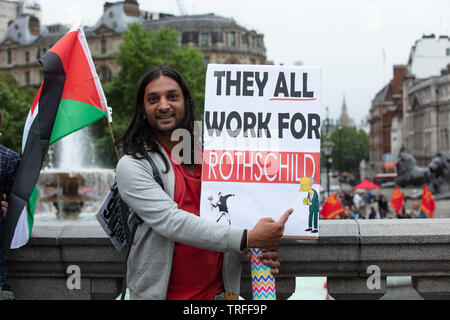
(312, 200)
(222, 206)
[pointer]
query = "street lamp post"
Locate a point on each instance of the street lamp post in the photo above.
(327, 150)
(437, 122)
(340, 155)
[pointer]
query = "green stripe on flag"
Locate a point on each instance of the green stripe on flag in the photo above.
(30, 208)
(72, 116)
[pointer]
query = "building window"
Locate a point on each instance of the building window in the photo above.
(448, 51)
(27, 57)
(38, 53)
(444, 138)
(189, 36)
(9, 56)
(233, 39)
(27, 78)
(258, 42)
(103, 45)
(216, 35)
(244, 39)
(105, 74)
(204, 39)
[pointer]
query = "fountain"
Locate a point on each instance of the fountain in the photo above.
(76, 186)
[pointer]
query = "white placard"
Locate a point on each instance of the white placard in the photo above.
(261, 137)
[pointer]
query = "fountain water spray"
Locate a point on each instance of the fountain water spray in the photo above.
(77, 185)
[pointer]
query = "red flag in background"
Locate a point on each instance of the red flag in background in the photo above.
(332, 207)
(397, 200)
(427, 203)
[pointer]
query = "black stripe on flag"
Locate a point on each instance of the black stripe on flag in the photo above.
(36, 145)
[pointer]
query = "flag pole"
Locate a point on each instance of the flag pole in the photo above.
(112, 137)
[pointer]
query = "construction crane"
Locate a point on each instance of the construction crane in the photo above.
(181, 7)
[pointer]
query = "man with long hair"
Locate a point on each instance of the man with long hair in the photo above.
(175, 253)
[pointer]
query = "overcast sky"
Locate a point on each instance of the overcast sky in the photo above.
(347, 38)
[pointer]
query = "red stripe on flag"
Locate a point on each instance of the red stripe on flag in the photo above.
(63, 48)
(36, 100)
(80, 86)
(260, 166)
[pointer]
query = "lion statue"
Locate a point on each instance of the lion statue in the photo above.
(436, 175)
(409, 173)
(439, 168)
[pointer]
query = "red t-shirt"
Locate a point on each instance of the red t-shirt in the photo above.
(196, 273)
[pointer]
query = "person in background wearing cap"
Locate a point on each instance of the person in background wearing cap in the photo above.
(9, 162)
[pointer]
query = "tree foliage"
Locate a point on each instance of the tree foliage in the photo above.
(350, 147)
(15, 102)
(140, 51)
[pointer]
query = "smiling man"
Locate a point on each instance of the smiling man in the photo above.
(164, 107)
(175, 253)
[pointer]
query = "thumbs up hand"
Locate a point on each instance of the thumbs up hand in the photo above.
(267, 232)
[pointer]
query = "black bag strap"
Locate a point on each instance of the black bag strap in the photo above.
(155, 170)
(139, 220)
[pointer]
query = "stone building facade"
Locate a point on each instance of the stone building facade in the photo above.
(220, 39)
(11, 10)
(413, 110)
(385, 118)
(426, 99)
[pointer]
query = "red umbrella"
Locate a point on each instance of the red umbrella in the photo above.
(366, 185)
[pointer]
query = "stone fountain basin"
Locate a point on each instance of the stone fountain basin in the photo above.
(74, 185)
(68, 199)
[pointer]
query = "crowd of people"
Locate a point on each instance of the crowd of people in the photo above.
(368, 205)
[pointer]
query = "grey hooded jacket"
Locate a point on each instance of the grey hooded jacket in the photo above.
(150, 259)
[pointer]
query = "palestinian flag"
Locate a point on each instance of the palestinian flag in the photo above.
(332, 207)
(69, 99)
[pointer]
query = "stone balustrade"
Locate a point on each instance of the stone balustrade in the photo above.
(349, 253)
